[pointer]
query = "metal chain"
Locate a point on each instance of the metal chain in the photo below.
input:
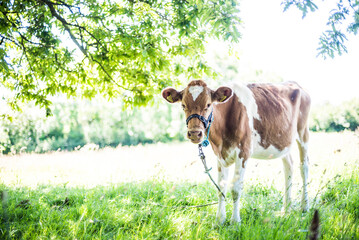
(203, 159)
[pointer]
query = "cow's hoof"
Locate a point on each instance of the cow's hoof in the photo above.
(305, 207)
(221, 216)
(285, 210)
(221, 221)
(235, 220)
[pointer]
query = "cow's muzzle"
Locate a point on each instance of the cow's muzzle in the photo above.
(195, 135)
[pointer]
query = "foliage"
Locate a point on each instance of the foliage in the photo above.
(75, 124)
(330, 118)
(160, 210)
(130, 49)
(332, 41)
(124, 48)
(303, 5)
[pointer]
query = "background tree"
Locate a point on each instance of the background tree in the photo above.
(117, 48)
(344, 19)
(124, 48)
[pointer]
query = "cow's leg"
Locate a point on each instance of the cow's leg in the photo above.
(222, 183)
(288, 176)
(304, 165)
(237, 189)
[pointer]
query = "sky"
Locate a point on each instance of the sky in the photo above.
(285, 44)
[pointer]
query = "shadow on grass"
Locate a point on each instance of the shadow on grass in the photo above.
(159, 210)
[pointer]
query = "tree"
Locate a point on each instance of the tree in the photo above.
(332, 41)
(127, 48)
(122, 48)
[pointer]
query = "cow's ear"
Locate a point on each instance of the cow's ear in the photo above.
(222, 94)
(171, 95)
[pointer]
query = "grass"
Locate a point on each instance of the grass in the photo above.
(159, 210)
(153, 202)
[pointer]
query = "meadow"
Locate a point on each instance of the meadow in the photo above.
(156, 191)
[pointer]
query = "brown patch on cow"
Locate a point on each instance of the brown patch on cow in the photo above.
(197, 83)
(221, 94)
(231, 129)
(172, 95)
(304, 109)
(279, 111)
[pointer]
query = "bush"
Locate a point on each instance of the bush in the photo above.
(330, 118)
(77, 123)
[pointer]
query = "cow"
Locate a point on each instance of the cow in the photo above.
(260, 120)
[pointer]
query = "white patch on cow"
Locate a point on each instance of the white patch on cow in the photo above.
(232, 155)
(304, 168)
(195, 91)
(288, 177)
(222, 181)
(265, 153)
(303, 144)
(222, 162)
(238, 180)
(245, 96)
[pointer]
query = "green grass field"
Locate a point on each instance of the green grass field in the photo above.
(147, 192)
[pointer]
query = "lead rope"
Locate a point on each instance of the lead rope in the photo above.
(203, 159)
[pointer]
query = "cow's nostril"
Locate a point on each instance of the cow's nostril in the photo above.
(194, 134)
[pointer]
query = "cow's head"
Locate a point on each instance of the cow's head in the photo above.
(197, 98)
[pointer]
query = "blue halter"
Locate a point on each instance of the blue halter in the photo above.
(206, 123)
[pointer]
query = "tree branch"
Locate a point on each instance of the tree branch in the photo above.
(10, 39)
(25, 53)
(65, 24)
(34, 43)
(82, 49)
(59, 65)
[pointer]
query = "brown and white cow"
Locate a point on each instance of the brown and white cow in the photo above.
(249, 121)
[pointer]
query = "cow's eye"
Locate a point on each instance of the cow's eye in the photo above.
(183, 106)
(208, 105)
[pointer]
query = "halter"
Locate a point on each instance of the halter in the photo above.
(206, 122)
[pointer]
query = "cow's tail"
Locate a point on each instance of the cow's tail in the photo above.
(314, 229)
